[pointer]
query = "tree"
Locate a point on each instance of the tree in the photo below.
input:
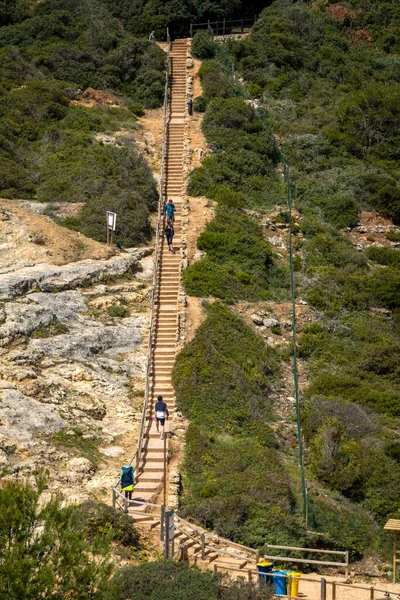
(42, 553)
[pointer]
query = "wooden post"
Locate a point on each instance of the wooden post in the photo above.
(191, 30)
(166, 534)
(306, 505)
(249, 575)
(215, 569)
(289, 587)
(258, 556)
(371, 593)
(165, 469)
(203, 546)
(323, 588)
(241, 22)
(394, 555)
(126, 505)
(346, 571)
(333, 590)
(223, 28)
(113, 498)
(162, 521)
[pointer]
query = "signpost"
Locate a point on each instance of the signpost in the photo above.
(111, 223)
(169, 532)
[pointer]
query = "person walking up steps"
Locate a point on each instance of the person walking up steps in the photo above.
(161, 410)
(127, 480)
(169, 211)
(169, 234)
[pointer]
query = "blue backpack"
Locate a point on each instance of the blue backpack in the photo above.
(127, 476)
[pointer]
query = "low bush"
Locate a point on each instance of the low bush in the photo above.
(226, 364)
(239, 263)
(202, 45)
(170, 580)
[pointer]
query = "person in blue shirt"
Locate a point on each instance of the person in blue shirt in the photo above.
(169, 211)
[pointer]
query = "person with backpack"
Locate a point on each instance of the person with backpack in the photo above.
(169, 234)
(161, 410)
(127, 480)
(152, 37)
(169, 211)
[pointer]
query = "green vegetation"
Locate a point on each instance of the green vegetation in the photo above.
(55, 328)
(54, 149)
(306, 68)
(84, 445)
(168, 580)
(330, 82)
(235, 480)
(240, 171)
(117, 310)
(73, 544)
(239, 263)
(43, 554)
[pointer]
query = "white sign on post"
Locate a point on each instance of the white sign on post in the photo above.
(111, 222)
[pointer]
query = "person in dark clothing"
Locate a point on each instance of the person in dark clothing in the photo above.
(127, 480)
(161, 411)
(169, 234)
(169, 211)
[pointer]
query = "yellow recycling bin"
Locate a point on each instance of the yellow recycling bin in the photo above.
(294, 588)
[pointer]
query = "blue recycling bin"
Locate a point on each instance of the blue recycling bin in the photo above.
(279, 582)
(264, 567)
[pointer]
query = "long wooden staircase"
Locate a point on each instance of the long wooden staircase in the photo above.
(150, 472)
(165, 321)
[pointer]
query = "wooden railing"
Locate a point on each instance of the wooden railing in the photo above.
(136, 458)
(308, 561)
(138, 454)
(224, 27)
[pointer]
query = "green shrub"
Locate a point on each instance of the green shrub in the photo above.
(167, 579)
(200, 104)
(239, 263)
(94, 518)
(117, 310)
(223, 376)
(202, 45)
(384, 256)
(32, 528)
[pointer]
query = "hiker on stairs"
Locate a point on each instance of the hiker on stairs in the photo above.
(169, 234)
(127, 480)
(169, 211)
(161, 410)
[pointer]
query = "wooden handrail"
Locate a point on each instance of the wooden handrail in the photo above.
(156, 260)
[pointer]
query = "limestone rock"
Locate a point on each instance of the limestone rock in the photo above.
(270, 322)
(51, 278)
(80, 469)
(257, 319)
(112, 451)
(22, 418)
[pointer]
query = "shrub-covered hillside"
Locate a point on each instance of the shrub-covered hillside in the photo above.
(324, 78)
(50, 143)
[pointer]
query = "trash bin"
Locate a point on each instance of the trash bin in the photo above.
(294, 588)
(279, 581)
(264, 567)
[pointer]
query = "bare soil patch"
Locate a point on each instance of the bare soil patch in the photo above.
(27, 237)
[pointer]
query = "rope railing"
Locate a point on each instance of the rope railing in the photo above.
(137, 455)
